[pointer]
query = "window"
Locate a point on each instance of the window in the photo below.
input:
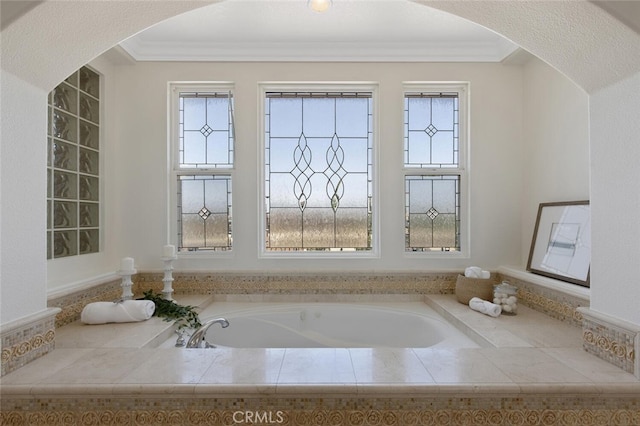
(203, 152)
(434, 142)
(73, 166)
(318, 169)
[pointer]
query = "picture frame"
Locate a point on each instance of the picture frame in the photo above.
(561, 244)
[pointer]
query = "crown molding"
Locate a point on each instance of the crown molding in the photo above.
(318, 51)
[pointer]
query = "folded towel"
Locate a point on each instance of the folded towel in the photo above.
(127, 311)
(485, 307)
(473, 272)
(476, 272)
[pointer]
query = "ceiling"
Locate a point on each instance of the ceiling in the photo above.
(287, 30)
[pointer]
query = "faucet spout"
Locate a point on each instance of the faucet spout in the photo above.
(198, 340)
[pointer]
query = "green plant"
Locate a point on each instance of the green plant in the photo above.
(168, 310)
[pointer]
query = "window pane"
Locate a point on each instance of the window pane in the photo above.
(432, 213)
(318, 171)
(205, 130)
(431, 130)
(204, 212)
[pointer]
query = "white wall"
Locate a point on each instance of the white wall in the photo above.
(615, 175)
(23, 176)
(495, 174)
(556, 144)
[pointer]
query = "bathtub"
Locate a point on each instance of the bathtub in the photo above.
(333, 325)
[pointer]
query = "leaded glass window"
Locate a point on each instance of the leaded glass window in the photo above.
(205, 157)
(73, 166)
(434, 170)
(433, 212)
(318, 171)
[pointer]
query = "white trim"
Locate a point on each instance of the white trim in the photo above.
(82, 285)
(295, 51)
(319, 86)
(28, 320)
(550, 283)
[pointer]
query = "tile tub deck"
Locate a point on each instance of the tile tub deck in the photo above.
(529, 369)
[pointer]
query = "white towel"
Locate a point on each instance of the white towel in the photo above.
(127, 311)
(473, 272)
(485, 307)
(476, 272)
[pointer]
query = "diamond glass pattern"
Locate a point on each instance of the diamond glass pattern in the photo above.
(431, 130)
(206, 130)
(432, 213)
(204, 213)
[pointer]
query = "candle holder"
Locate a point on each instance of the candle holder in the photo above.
(126, 283)
(168, 276)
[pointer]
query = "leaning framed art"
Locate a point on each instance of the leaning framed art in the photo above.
(561, 245)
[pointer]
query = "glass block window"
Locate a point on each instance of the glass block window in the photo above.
(205, 158)
(73, 166)
(318, 171)
(434, 168)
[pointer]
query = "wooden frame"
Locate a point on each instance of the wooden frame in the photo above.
(561, 245)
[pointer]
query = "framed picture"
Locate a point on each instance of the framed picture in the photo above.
(561, 246)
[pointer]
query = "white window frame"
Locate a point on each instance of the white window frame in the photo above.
(362, 86)
(173, 164)
(463, 90)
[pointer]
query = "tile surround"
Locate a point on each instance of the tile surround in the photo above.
(25, 341)
(376, 403)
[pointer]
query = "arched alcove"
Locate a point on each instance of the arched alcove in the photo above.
(45, 44)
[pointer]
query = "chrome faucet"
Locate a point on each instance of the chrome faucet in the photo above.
(197, 339)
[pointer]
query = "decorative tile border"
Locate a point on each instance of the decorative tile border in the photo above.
(611, 340)
(328, 410)
(556, 304)
(27, 340)
(72, 304)
(311, 283)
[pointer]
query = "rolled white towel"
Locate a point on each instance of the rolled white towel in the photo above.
(473, 272)
(485, 307)
(485, 274)
(127, 311)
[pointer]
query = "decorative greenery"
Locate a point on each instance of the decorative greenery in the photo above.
(168, 310)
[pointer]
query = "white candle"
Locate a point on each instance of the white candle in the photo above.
(169, 251)
(126, 264)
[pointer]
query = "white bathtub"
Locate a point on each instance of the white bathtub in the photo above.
(334, 325)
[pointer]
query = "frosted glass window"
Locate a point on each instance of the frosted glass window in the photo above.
(318, 171)
(206, 130)
(73, 166)
(432, 213)
(435, 168)
(203, 144)
(431, 130)
(204, 210)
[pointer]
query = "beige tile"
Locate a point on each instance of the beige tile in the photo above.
(388, 365)
(43, 367)
(246, 365)
(589, 365)
(116, 335)
(450, 366)
(172, 366)
(532, 365)
(102, 365)
(317, 365)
